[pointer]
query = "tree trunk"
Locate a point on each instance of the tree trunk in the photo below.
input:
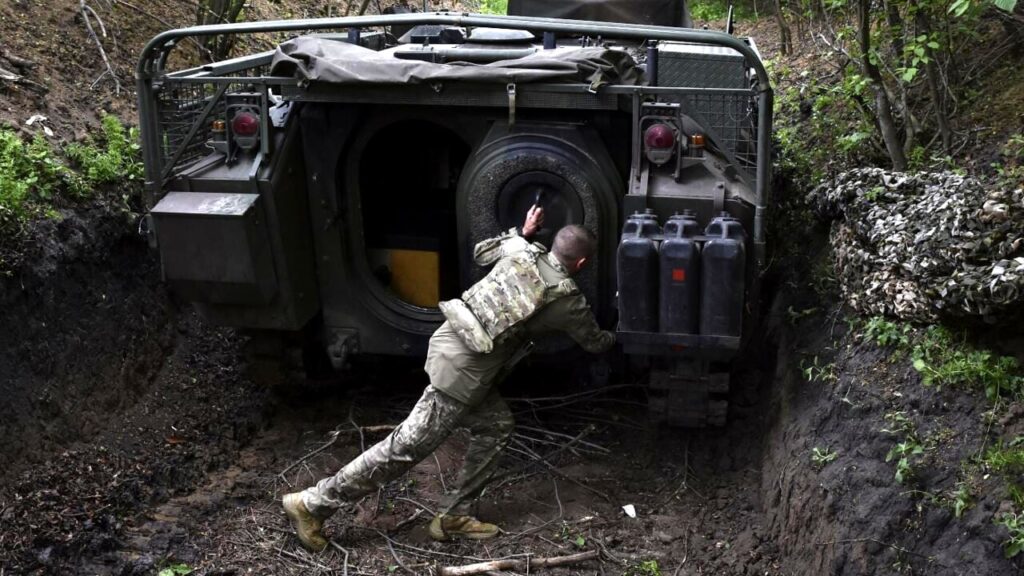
(934, 84)
(883, 107)
(785, 40)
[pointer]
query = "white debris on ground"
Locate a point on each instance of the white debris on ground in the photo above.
(924, 246)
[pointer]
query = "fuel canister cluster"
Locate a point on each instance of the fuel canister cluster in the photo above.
(674, 279)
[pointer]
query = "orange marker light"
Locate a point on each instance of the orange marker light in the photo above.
(218, 126)
(698, 140)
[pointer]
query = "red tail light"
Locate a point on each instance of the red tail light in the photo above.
(245, 124)
(659, 136)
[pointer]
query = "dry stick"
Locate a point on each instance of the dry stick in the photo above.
(527, 564)
(576, 450)
(888, 545)
(395, 555)
(18, 61)
(334, 438)
(566, 436)
(561, 513)
(86, 10)
(165, 23)
(352, 420)
(566, 477)
(433, 552)
(407, 521)
(440, 473)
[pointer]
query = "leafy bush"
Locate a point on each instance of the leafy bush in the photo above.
(944, 360)
(494, 6)
(34, 177)
(30, 176)
(117, 159)
(887, 333)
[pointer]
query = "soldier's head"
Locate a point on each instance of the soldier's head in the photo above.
(574, 246)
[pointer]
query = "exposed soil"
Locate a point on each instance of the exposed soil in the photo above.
(133, 437)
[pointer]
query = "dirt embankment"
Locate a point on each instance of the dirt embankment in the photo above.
(87, 326)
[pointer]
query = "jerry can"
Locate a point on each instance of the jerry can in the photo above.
(723, 268)
(679, 289)
(637, 268)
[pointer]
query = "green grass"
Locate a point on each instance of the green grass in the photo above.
(1007, 459)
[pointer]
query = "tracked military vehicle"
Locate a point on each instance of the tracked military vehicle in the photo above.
(335, 185)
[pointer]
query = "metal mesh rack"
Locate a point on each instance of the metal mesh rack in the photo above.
(185, 115)
(730, 119)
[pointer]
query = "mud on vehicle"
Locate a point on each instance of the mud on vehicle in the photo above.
(335, 186)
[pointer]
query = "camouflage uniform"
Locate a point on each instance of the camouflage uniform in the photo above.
(462, 394)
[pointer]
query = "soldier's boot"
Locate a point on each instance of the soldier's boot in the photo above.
(444, 527)
(307, 526)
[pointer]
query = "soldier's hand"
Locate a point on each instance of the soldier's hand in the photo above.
(534, 221)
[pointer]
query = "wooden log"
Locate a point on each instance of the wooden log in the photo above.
(526, 564)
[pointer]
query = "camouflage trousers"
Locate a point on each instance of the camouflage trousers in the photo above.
(434, 418)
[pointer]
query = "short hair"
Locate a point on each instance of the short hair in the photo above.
(574, 242)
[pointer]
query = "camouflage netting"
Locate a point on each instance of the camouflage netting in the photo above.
(925, 246)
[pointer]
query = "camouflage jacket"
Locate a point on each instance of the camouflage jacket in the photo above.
(466, 375)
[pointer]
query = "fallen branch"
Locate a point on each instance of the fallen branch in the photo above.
(543, 460)
(86, 10)
(527, 564)
(18, 61)
(8, 76)
(334, 438)
(199, 46)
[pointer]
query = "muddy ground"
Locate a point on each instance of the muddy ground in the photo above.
(136, 439)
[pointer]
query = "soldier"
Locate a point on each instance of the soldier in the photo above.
(528, 292)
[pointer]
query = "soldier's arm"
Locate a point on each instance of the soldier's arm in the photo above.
(573, 316)
(489, 251)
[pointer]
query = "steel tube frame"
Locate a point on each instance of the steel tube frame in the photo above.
(151, 62)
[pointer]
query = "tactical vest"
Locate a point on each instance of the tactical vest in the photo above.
(511, 293)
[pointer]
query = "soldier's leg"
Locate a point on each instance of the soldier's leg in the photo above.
(432, 420)
(490, 425)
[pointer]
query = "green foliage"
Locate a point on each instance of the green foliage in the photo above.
(116, 160)
(1007, 459)
(822, 456)
(907, 452)
(709, 10)
(35, 180)
(886, 332)
(643, 568)
(175, 570)
(945, 360)
(1014, 524)
(961, 500)
(961, 8)
(821, 125)
(494, 7)
(30, 176)
(820, 373)
(571, 535)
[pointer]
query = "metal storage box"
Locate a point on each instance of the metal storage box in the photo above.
(214, 247)
(700, 66)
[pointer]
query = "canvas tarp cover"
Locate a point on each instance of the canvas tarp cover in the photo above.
(313, 59)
